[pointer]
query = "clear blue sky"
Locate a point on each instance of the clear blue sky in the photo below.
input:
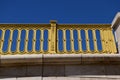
(64, 11)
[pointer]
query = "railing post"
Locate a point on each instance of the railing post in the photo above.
(53, 34)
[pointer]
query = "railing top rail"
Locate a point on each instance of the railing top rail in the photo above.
(24, 25)
(56, 23)
(85, 24)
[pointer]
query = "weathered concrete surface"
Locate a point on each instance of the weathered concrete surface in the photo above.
(69, 67)
(26, 58)
(58, 70)
(29, 78)
(12, 71)
(61, 72)
(55, 59)
(85, 70)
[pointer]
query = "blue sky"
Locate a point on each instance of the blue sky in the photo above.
(64, 11)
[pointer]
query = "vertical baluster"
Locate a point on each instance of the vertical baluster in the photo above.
(10, 41)
(49, 40)
(41, 42)
(26, 41)
(102, 40)
(106, 40)
(109, 41)
(79, 40)
(34, 40)
(113, 45)
(57, 41)
(18, 41)
(95, 41)
(87, 41)
(64, 40)
(72, 40)
(2, 40)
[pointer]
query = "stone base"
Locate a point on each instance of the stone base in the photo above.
(61, 72)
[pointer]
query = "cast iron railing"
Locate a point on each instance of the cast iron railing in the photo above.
(56, 38)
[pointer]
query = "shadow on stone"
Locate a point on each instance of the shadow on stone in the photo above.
(61, 71)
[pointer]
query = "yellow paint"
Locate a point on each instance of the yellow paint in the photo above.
(107, 38)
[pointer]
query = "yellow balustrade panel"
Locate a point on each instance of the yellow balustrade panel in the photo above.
(56, 38)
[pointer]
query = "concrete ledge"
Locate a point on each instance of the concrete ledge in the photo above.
(21, 59)
(29, 59)
(101, 59)
(62, 58)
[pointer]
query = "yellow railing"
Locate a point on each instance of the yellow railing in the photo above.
(51, 44)
(106, 38)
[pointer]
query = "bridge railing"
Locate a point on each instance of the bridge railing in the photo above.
(56, 38)
(85, 39)
(24, 38)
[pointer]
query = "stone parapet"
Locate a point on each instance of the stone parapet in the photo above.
(116, 27)
(116, 21)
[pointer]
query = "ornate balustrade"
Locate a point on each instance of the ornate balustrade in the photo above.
(56, 38)
(86, 39)
(24, 38)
